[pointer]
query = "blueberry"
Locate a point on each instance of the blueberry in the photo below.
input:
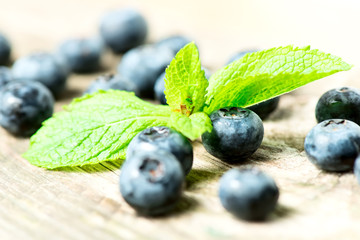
(5, 50)
(237, 133)
(82, 54)
(264, 109)
(166, 139)
(123, 29)
(110, 81)
(248, 193)
(239, 55)
(24, 106)
(333, 145)
(42, 67)
(5, 76)
(143, 65)
(341, 103)
(175, 43)
(357, 168)
(159, 87)
(151, 182)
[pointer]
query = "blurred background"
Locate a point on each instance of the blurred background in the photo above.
(220, 28)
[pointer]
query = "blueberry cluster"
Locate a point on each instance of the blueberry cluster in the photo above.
(237, 134)
(158, 158)
(334, 143)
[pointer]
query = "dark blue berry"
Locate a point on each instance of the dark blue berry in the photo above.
(151, 182)
(143, 65)
(239, 55)
(82, 54)
(333, 145)
(110, 81)
(42, 67)
(5, 76)
(248, 193)
(166, 139)
(340, 103)
(264, 109)
(175, 43)
(159, 87)
(5, 50)
(24, 106)
(237, 133)
(123, 29)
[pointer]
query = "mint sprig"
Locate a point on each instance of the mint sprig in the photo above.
(98, 127)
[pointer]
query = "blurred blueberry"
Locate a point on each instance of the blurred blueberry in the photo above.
(143, 65)
(42, 67)
(82, 54)
(5, 76)
(24, 106)
(110, 81)
(175, 43)
(159, 87)
(5, 50)
(248, 193)
(123, 29)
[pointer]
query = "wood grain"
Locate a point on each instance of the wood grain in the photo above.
(85, 203)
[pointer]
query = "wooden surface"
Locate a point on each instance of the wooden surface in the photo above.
(85, 203)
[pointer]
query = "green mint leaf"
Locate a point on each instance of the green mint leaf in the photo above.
(185, 82)
(191, 127)
(94, 128)
(259, 76)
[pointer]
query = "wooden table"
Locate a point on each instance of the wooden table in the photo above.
(85, 203)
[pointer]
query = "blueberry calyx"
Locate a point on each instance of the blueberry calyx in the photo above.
(152, 169)
(233, 112)
(155, 133)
